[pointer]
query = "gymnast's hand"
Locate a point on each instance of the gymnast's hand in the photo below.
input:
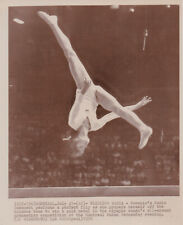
(145, 100)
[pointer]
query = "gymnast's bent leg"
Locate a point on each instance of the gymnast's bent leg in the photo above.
(78, 71)
(108, 102)
(112, 116)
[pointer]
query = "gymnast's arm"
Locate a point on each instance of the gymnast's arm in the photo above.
(105, 119)
(144, 101)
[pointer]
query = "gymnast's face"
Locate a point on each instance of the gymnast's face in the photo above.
(79, 146)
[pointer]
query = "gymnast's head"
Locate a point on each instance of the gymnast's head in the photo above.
(77, 144)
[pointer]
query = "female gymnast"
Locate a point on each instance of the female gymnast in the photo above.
(82, 117)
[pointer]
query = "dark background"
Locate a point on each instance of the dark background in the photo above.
(41, 92)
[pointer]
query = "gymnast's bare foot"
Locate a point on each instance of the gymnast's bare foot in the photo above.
(47, 18)
(145, 134)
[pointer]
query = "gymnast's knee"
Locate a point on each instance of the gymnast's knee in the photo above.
(70, 53)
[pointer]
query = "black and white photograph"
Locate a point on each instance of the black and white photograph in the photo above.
(93, 100)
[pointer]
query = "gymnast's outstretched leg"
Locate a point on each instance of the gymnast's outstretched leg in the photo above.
(108, 102)
(78, 71)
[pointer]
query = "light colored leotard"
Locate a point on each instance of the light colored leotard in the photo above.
(85, 106)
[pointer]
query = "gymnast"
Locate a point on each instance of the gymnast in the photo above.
(82, 116)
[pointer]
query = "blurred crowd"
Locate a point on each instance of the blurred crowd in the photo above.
(108, 161)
